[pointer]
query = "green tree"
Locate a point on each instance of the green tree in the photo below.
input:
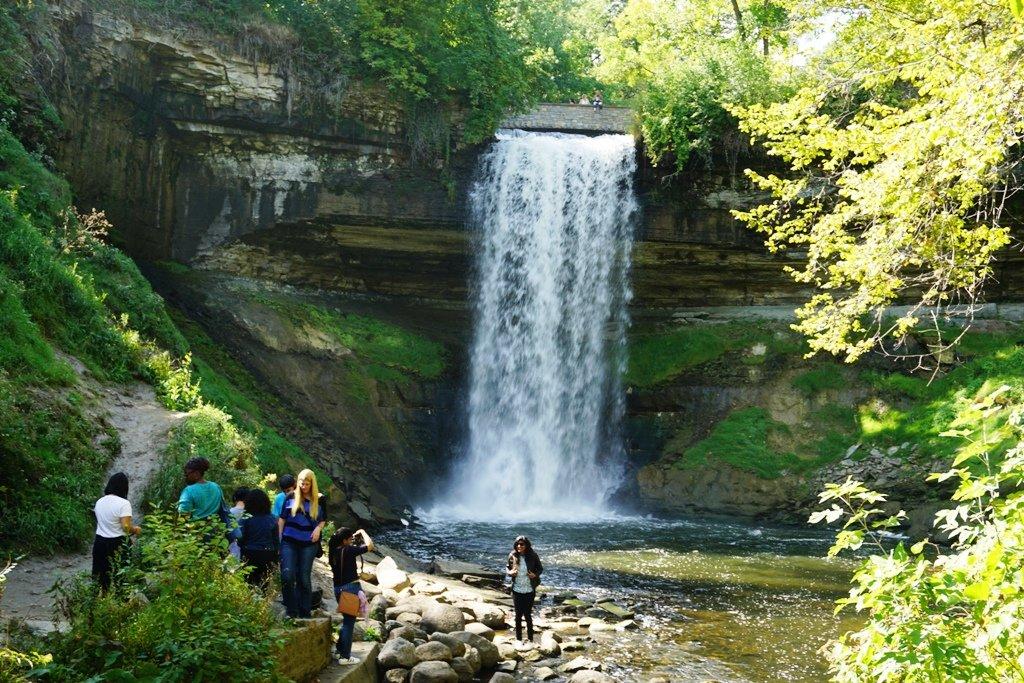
(686, 64)
(936, 613)
(903, 146)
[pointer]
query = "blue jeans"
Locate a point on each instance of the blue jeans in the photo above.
(348, 624)
(296, 581)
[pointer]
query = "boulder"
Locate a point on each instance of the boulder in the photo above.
(578, 664)
(587, 676)
(598, 626)
(410, 633)
(481, 630)
(389, 576)
(378, 608)
(427, 588)
(359, 631)
(548, 645)
(488, 615)
(472, 658)
(502, 677)
(627, 625)
(442, 618)
(617, 611)
(532, 656)
(544, 673)
(396, 676)
(433, 672)
(433, 651)
(409, 618)
(508, 651)
(489, 656)
(457, 647)
(457, 570)
(397, 653)
(573, 646)
(463, 669)
(390, 625)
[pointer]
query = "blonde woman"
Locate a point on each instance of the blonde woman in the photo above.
(299, 527)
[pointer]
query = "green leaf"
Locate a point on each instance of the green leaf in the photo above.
(978, 591)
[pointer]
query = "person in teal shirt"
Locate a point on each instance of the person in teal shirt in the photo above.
(287, 485)
(200, 498)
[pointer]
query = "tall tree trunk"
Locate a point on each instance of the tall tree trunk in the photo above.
(764, 45)
(739, 19)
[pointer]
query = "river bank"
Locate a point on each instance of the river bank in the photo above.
(450, 622)
(711, 599)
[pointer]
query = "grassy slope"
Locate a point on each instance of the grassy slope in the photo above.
(229, 386)
(902, 407)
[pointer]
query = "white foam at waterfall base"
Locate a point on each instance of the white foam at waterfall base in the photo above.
(554, 215)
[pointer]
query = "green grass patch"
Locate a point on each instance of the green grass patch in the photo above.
(52, 469)
(657, 357)
(741, 440)
(829, 376)
(226, 384)
(387, 352)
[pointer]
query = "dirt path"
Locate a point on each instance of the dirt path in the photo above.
(142, 424)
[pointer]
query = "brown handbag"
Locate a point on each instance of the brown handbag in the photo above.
(348, 604)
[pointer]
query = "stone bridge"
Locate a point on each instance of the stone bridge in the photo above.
(573, 118)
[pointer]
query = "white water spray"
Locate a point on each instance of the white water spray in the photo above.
(555, 217)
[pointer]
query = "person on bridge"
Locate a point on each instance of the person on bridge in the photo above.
(598, 100)
(113, 524)
(525, 568)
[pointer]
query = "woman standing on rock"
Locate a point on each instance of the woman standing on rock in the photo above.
(113, 524)
(525, 568)
(299, 527)
(342, 551)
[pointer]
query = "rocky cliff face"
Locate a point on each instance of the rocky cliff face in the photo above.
(225, 156)
(208, 153)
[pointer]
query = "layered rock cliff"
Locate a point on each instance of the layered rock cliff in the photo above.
(224, 155)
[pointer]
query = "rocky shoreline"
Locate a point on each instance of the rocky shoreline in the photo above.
(448, 623)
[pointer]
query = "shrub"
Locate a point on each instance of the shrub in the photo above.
(936, 613)
(209, 433)
(178, 611)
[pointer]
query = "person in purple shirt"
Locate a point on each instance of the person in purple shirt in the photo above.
(299, 527)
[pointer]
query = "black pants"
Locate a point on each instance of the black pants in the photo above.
(103, 552)
(262, 563)
(524, 608)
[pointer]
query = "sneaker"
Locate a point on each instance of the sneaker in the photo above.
(346, 661)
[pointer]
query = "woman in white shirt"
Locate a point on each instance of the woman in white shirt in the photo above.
(113, 524)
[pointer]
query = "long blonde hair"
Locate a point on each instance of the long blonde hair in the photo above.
(314, 494)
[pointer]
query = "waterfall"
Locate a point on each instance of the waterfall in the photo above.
(554, 215)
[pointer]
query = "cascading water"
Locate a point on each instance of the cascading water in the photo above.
(555, 215)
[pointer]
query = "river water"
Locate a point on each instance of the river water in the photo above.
(553, 216)
(716, 600)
